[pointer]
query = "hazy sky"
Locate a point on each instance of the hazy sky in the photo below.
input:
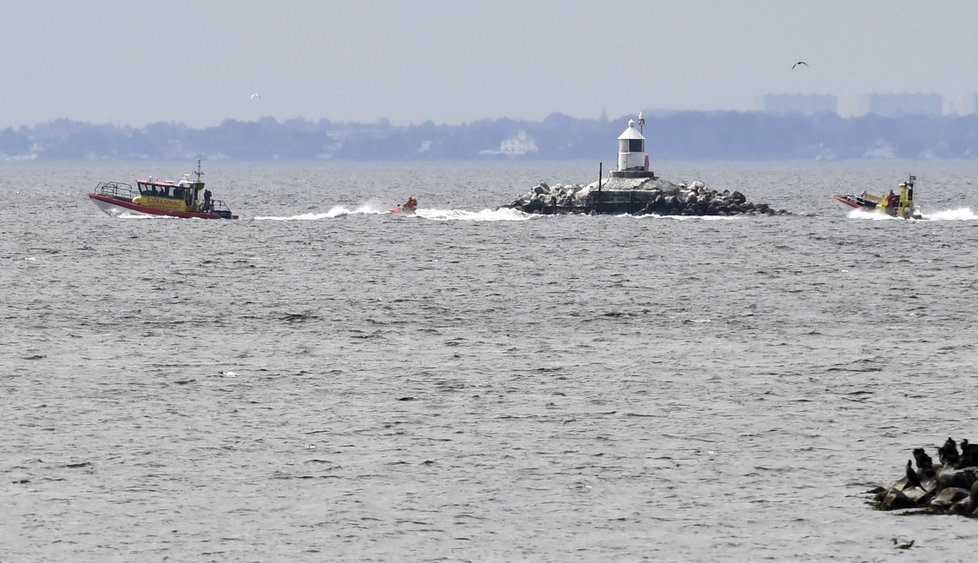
(132, 62)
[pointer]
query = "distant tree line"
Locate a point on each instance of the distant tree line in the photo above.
(671, 135)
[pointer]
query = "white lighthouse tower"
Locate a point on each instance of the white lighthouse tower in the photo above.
(633, 162)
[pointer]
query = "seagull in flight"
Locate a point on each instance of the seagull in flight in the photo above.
(256, 96)
(798, 63)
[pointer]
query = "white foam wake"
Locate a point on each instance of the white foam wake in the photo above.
(488, 215)
(334, 212)
(856, 213)
(425, 213)
(962, 214)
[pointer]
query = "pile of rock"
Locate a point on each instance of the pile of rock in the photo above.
(638, 196)
(948, 488)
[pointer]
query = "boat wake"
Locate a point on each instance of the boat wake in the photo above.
(334, 212)
(871, 215)
(487, 215)
(962, 214)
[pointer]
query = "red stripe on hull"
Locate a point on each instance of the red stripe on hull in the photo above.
(153, 211)
(848, 202)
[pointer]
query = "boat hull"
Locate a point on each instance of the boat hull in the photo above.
(856, 202)
(870, 206)
(117, 206)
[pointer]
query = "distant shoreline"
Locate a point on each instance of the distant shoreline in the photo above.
(694, 136)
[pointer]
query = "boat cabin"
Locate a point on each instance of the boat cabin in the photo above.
(175, 196)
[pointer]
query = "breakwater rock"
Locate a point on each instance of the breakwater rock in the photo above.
(948, 487)
(638, 196)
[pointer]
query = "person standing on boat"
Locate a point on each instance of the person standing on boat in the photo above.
(889, 199)
(207, 200)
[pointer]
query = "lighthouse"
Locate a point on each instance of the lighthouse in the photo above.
(633, 162)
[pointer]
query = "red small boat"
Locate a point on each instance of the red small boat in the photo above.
(893, 204)
(158, 197)
(408, 208)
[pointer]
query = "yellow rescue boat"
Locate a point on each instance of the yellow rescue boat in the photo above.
(893, 204)
(186, 199)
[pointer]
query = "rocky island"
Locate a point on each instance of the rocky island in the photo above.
(949, 487)
(635, 189)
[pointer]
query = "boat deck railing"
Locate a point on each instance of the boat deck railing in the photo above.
(219, 205)
(118, 190)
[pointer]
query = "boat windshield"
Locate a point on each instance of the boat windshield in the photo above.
(161, 190)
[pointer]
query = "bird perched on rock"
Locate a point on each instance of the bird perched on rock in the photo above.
(925, 465)
(948, 453)
(969, 454)
(902, 545)
(912, 479)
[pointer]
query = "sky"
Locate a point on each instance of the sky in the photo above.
(199, 62)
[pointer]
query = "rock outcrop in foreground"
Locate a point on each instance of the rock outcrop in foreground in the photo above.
(951, 487)
(638, 196)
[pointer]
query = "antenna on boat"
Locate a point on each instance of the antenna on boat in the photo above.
(198, 172)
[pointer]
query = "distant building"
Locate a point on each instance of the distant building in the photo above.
(893, 105)
(519, 145)
(806, 104)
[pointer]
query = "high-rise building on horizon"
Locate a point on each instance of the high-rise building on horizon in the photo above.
(894, 105)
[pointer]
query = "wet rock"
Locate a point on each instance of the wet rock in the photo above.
(961, 478)
(893, 499)
(637, 196)
(947, 488)
(949, 496)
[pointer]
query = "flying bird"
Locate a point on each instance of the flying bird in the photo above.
(256, 96)
(798, 63)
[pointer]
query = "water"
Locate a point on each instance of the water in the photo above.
(321, 381)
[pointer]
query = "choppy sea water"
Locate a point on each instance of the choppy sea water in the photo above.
(320, 380)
